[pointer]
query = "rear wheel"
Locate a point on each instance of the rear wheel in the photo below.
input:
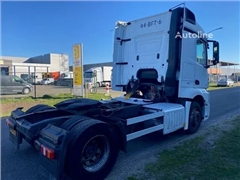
(93, 154)
(195, 118)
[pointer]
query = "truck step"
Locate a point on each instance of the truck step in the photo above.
(121, 63)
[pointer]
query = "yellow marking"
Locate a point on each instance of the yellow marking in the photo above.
(128, 95)
(77, 78)
(76, 52)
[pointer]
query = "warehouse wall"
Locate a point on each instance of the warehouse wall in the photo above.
(229, 70)
(28, 68)
(59, 62)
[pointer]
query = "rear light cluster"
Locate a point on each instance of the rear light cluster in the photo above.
(47, 152)
(8, 122)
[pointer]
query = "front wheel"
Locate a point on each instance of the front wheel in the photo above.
(195, 118)
(94, 153)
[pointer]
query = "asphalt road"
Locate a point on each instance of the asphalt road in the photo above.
(23, 164)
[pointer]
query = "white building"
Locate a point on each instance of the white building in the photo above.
(40, 64)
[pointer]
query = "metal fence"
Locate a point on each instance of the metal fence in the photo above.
(215, 78)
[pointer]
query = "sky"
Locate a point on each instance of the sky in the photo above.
(31, 29)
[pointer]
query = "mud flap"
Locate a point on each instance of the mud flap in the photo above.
(15, 137)
(55, 139)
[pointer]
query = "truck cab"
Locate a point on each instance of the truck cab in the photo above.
(98, 76)
(165, 53)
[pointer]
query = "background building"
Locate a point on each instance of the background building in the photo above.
(88, 66)
(38, 65)
(224, 69)
(60, 63)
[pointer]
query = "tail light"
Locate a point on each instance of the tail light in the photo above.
(47, 152)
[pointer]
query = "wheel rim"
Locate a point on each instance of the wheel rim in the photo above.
(95, 153)
(195, 118)
(26, 91)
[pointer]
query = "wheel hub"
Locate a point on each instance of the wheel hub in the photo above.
(95, 153)
(195, 117)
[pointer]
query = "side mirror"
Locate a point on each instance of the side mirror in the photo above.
(215, 52)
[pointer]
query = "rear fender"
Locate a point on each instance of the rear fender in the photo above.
(56, 139)
(119, 133)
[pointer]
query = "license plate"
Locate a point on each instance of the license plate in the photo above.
(15, 137)
(14, 132)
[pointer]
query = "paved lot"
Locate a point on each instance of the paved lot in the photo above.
(23, 164)
(54, 90)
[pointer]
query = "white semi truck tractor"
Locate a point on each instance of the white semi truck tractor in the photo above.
(99, 76)
(161, 63)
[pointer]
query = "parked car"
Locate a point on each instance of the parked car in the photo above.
(13, 84)
(64, 82)
(225, 82)
(47, 81)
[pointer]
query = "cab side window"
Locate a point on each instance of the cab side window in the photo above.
(201, 52)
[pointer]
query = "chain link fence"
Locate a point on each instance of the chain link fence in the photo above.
(215, 78)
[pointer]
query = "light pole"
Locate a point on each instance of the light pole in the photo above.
(215, 29)
(220, 62)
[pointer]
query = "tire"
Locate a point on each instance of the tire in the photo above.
(26, 91)
(195, 118)
(92, 140)
(38, 108)
(70, 123)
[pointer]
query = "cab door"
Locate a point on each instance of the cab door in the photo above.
(201, 73)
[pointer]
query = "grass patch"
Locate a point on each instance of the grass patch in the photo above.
(170, 161)
(213, 86)
(9, 104)
(195, 160)
(224, 160)
(61, 97)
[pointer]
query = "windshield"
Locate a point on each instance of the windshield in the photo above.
(223, 79)
(25, 77)
(88, 75)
